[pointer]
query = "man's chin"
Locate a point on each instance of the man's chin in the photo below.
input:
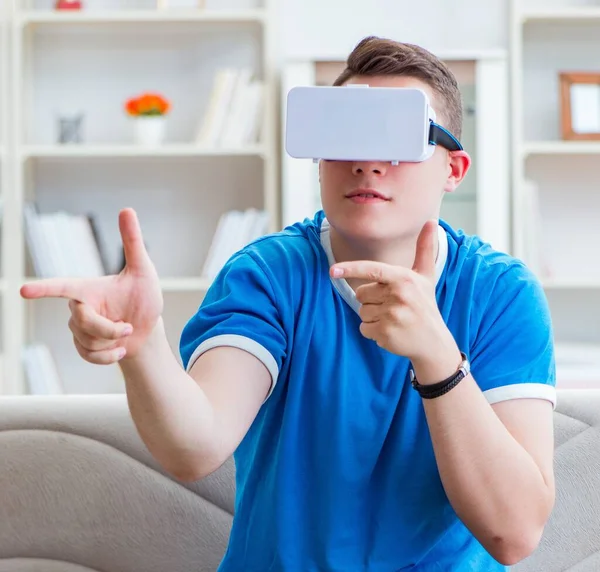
(373, 230)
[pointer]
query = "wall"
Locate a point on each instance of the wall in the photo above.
(317, 29)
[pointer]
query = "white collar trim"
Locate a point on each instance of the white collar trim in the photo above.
(342, 285)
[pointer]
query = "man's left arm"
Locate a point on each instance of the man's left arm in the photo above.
(492, 434)
(495, 461)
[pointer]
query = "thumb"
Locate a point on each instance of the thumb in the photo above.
(426, 249)
(136, 256)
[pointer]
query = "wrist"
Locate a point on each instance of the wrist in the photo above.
(150, 347)
(437, 365)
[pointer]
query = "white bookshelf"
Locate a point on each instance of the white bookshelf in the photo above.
(559, 12)
(482, 203)
(5, 171)
(562, 176)
(99, 16)
(92, 61)
(84, 151)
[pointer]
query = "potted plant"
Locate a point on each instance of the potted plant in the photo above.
(149, 111)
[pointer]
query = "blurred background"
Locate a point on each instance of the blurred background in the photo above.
(176, 108)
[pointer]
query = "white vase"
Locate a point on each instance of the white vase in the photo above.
(150, 130)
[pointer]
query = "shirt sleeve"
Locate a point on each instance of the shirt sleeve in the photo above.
(239, 310)
(513, 353)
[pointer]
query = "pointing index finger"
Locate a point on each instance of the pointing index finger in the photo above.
(70, 288)
(365, 270)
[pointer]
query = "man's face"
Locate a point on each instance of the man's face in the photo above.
(406, 194)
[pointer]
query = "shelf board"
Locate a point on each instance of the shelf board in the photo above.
(561, 148)
(185, 284)
(116, 151)
(571, 284)
(588, 15)
(48, 18)
(174, 284)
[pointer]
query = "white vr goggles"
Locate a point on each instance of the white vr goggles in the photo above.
(362, 123)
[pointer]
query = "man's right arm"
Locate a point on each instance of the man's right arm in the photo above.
(192, 422)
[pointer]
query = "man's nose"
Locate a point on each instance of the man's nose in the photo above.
(369, 167)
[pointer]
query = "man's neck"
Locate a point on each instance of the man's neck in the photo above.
(400, 252)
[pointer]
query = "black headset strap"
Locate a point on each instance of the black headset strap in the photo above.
(440, 136)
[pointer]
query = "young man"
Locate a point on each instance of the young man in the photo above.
(300, 361)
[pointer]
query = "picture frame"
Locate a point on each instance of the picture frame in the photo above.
(580, 106)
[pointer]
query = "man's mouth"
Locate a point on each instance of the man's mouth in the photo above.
(367, 194)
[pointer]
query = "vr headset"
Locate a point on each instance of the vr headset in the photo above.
(363, 123)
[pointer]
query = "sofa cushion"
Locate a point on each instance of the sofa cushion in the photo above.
(80, 492)
(78, 486)
(41, 565)
(571, 539)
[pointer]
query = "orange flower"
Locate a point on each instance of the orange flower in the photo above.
(148, 104)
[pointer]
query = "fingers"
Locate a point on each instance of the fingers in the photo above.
(136, 256)
(366, 270)
(72, 288)
(370, 313)
(102, 357)
(373, 293)
(94, 325)
(94, 332)
(426, 251)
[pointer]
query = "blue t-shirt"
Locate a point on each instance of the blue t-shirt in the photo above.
(337, 472)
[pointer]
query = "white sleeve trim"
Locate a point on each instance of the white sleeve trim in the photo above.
(522, 391)
(243, 343)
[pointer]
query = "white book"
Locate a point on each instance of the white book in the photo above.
(232, 134)
(213, 250)
(40, 370)
(226, 245)
(219, 102)
(254, 115)
(51, 245)
(37, 246)
(66, 243)
(260, 225)
(244, 234)
(88, 254)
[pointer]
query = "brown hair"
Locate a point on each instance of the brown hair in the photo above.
(375, 56)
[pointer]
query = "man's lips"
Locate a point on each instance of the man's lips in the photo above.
(367, 194)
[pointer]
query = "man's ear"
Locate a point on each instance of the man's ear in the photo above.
(459, 163)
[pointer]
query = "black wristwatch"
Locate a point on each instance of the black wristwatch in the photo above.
(443, 387)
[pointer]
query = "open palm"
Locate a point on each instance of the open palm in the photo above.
(112, 315)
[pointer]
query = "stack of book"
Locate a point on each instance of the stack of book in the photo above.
(40, 370)
(62, 244)
(235, 230)
(233, 117)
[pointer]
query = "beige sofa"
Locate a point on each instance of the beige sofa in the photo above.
(79, 492)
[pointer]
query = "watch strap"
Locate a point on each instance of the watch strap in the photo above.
(431, 391)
